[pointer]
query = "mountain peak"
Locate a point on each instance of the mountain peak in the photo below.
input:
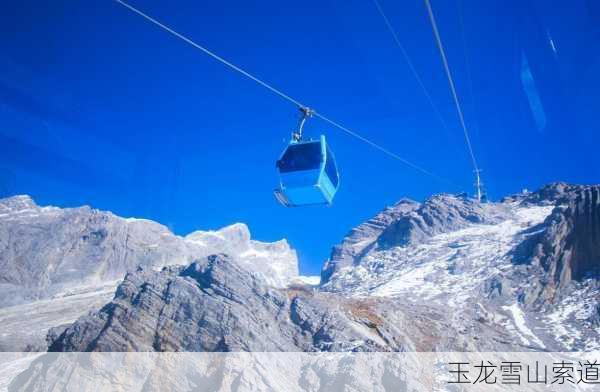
(16, 203)
(237, 233)
(48, 251)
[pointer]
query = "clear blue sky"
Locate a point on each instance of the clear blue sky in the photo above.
(99, 107)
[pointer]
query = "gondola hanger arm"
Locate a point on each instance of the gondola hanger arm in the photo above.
(305, 114)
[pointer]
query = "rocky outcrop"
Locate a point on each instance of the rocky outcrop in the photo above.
(47, 250)
(552, 194)
(363, 237)
(566, 247)
(216, 304)
(410, 223)
(275, 261)
(439, 214)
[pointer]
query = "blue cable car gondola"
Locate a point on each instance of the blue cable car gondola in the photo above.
(308, 174)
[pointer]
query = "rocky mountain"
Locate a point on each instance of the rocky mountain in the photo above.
(565, 249)
(218, 305)
(526, 266)
(448, 274)
(48, 250)
(364, 236)
(57, 264)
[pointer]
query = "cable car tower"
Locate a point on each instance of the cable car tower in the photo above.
(479, 188)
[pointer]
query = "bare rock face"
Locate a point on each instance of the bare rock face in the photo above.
(364, 236)
(47, 250)
(410, 223)
(566, 248)
(552, 194)
(583, 242)
(440, 214)
(215, 304)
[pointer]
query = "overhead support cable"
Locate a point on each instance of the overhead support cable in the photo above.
(279, 92)
(410, 64)
(455, 97)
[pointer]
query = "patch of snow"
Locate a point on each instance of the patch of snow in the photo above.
(308, 280)
(28, 323)
(134, 220)
(521, 324)
(12, 364)
(250, 253)
(438, 268)
(368, 333)
(275, 261)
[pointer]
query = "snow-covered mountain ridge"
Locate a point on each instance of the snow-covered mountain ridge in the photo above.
(49, 251)
(528, 264)
(447, 274)
(57, 264)
(437, 266)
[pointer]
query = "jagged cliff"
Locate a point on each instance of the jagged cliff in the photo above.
(563, 252)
